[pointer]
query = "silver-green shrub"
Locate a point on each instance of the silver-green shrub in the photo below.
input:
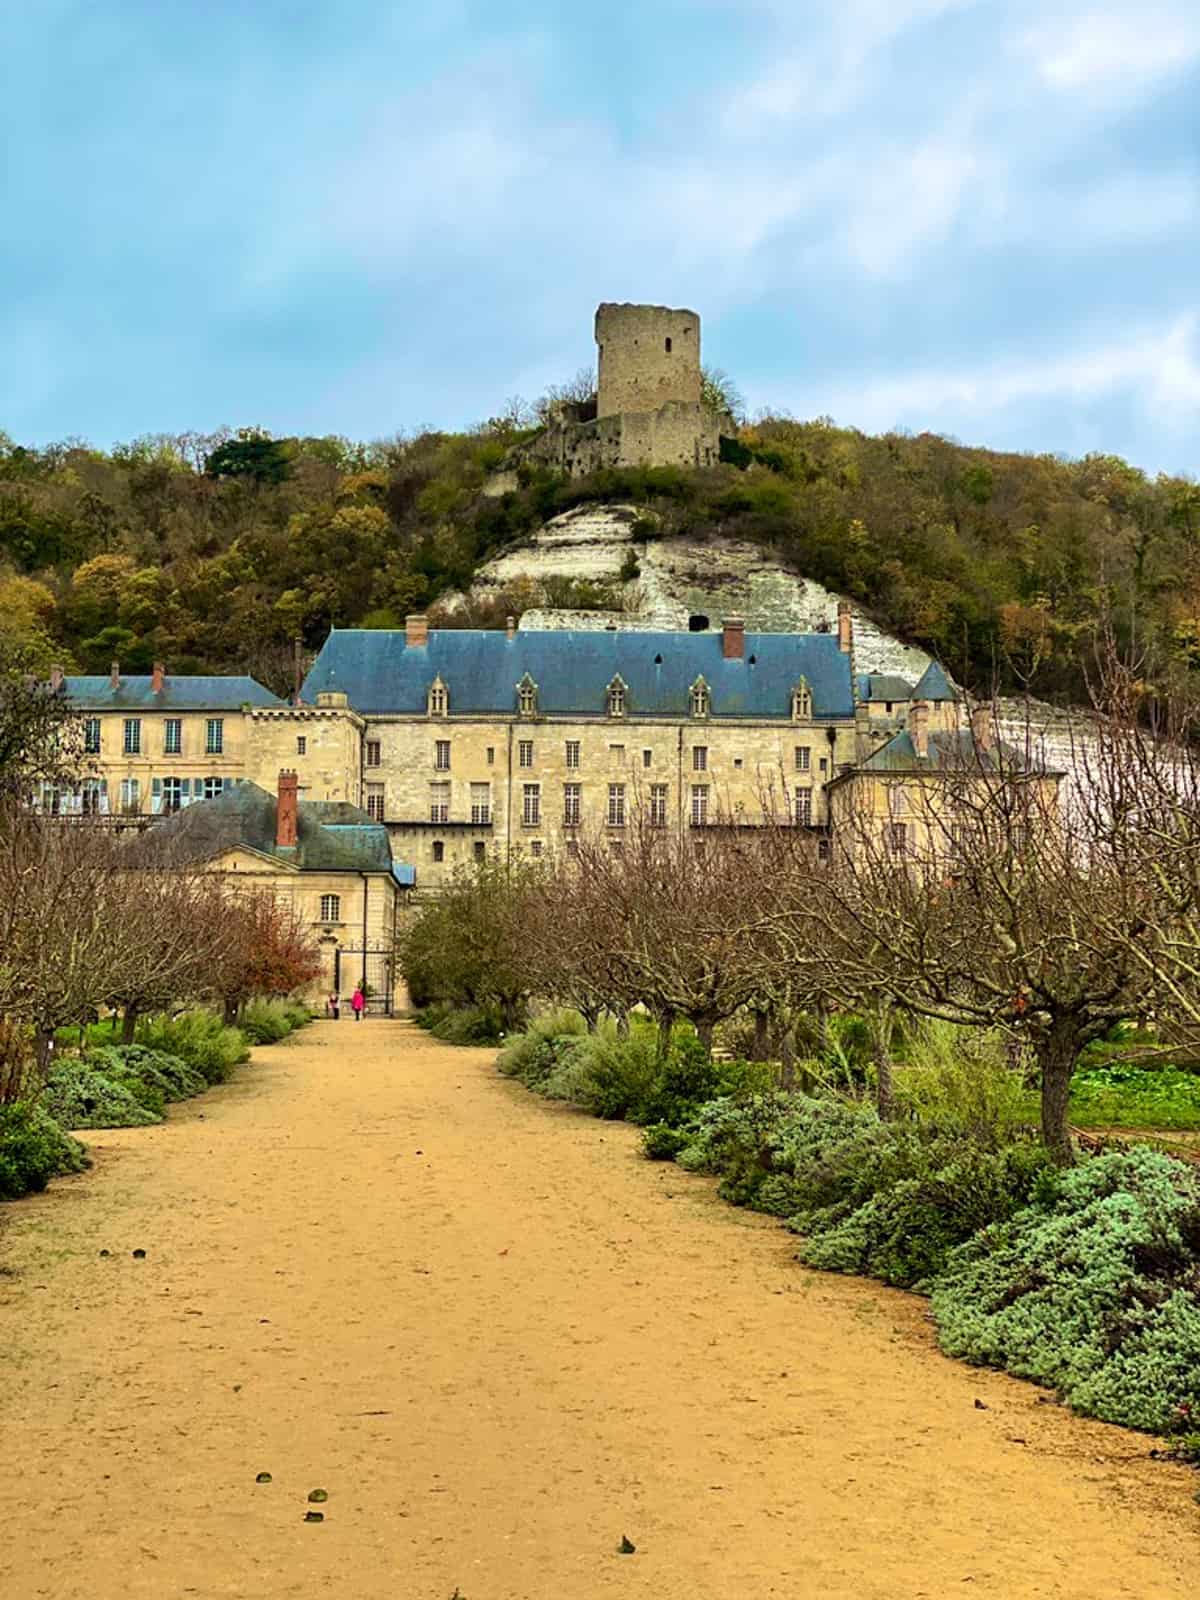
(1095, 1292)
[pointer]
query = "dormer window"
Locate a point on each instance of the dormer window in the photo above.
(439, 699)
(527, 697)
(801, 702)
(699, 698)
(616, 697)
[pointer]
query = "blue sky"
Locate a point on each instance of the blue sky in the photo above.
(366, 216)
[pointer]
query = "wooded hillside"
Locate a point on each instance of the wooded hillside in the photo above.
(212, 553)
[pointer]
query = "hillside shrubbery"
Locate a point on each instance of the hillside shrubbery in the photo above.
(213, 553)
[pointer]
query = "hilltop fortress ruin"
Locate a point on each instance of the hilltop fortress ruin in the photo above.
(647, 411)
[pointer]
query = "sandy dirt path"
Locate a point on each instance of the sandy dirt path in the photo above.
(500, 1341)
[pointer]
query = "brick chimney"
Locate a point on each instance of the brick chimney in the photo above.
(114, 675)
(56, 677)
(416, 630)
(287, 810)
(981, 728)
(156, 677)
(510, 627)
(845, 626)
(918, 727)
(733, 638)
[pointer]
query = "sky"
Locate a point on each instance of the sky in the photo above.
(976, 217)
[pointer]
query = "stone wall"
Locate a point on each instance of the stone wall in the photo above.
(679, 433)
(648, 357)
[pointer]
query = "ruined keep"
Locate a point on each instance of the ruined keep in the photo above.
(648, 407)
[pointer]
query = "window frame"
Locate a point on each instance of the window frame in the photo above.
(531, 805)
(441, 755)
(699, 806)
(572, 804)
(172, 736)
(331, 908)
(91, 745)
(616, 805)
(372, 753)
(131, 743)
(214, 736)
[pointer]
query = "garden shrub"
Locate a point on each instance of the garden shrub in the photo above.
(618, 1077)
(662, 1142)
(170, 1074)
(906, 1230)
(200, 1038)
(531, 1056)
(78, 1096)
(1093, 1290)
(959, 1081)
(265, 1021)
(470, 1025)
(34, 1149)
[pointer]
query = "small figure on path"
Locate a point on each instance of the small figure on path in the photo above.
(334, 1006)
(358, 1001)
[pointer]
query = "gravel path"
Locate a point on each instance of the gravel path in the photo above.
(500, 1341)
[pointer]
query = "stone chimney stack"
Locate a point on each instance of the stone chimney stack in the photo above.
(918, 728)
(981, 728)
(510, 627)
(287, 810)
(56, 677)
(845, 627)
(733, 637)
(416, 631)
(114, 675)
(156, 678)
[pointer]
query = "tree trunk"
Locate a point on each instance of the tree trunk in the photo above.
(885, 1080)
(787, 1061)
(43, 1050)
(622, 1024)
(129, 1024)
(1056, 1054)
(760, 1049)
(231, 1011)
(704, 1032)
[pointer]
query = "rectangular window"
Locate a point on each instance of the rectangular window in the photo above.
(441, 755)
(572, 753)
(824, 764)
(94, 797)
(172, 794)
(803, 758)
(481, 803)
(439, 802)
(535, 847)
(647, 757)
(375, 793)
(699, 758)
(616, 754)
(214, 736)
(439, 850)
(374, 754)
(130, 795)
(572, 847)
(572, 794)
(173, 736)
(898, 838)
(133, 736)
(213, 787)
(804, 807)
(616, 805)
(699, 804)
(301, 745)
(525, 752)
(491, 755)
(480, 850)
(658, 805)
(531, 805)
(91, 736)
(331, 908)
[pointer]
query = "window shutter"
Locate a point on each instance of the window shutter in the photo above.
(155, 797)
(185, 792)
(227, 783)
(103, 797)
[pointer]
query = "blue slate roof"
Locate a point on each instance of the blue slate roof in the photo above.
(948, 752)
(883, 686)
(572, 670)
(134, 693)
(933, 684)
(332, 836)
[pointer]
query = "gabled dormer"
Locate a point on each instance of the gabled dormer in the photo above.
(438, 699)
(615, 697)
(527, 697)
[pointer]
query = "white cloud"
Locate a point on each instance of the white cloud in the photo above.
(1124, 47)
(1157, 367)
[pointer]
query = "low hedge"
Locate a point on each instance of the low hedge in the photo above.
(34, 1149)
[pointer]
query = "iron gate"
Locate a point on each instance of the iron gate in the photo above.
(373, 969)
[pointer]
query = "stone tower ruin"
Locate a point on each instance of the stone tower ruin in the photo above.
(648, 407)
(648, 357)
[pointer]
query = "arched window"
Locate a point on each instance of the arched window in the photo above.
(616, 698)
(331, 908)
(527, 697)
(801, 701)
(439, 699)
(699, 698)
